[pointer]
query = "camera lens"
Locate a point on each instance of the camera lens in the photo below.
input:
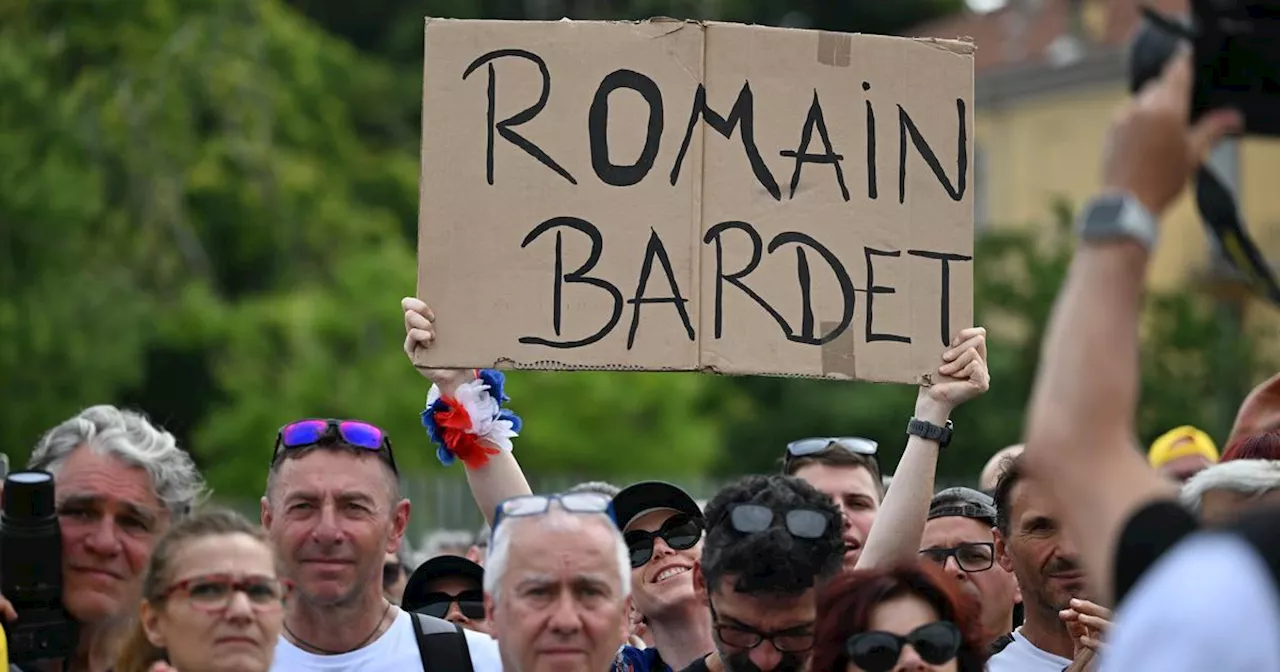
(28, 497)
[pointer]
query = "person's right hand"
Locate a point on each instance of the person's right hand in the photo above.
(1152, 147)
(420, 333)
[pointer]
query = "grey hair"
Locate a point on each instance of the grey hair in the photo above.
(599, 487)
(556, 518)
(1247, 477)
(131, 438)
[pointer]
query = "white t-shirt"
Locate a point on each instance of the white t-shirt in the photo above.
(395, 651)
(1023, 656)
(1209, 604)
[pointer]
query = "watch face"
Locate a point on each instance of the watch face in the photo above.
(1107, 211)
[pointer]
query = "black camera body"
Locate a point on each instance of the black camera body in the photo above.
(31, 570)
(1236, 47)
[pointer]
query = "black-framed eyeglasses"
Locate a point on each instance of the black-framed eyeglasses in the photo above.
(680, 532)
(970, 557)
(537, 505)
(802, 523)
(812, 445)
(936, 643)
(316, 431)
(470, 603)
(798, 639)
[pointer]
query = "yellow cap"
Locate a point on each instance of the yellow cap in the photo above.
(1181, 442)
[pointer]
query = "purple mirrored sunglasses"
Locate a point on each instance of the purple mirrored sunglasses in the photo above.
(315, 431)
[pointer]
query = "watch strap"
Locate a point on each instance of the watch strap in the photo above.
(927, 430)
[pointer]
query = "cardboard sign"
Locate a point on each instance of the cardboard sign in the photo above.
(670, 195)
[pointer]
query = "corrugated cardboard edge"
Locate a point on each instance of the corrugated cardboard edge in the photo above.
(963, 46)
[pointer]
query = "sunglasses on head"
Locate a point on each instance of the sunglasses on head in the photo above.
(755, 518)
(810, 446)
(935, 643)
(470, 603)
(680, 532)
(537, 505)
(316, 431)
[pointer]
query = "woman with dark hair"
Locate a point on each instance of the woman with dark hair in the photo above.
(906, 619)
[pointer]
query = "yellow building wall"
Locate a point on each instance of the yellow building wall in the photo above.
(1050, 146)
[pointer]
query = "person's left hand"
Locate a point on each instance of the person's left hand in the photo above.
(1088, 623)
(963, 374)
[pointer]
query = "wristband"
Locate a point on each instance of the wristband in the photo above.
(472, 424)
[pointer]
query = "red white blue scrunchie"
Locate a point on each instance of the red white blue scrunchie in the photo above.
(472, 424)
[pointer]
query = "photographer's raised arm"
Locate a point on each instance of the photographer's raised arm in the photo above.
(501, 477)
(1081, 424)
(895, 535)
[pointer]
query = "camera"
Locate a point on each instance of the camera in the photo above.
(1236, 51)
(31, 570)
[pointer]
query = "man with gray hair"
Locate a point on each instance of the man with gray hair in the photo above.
(120, 482)
(1220, 493)
(556, 583)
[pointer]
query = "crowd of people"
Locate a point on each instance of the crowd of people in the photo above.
(1074, 551)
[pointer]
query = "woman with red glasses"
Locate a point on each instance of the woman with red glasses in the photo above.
(212, 601)
(907, 619)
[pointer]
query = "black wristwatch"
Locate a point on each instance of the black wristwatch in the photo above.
(927, 430)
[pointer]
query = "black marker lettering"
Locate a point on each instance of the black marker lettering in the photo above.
(873, 190)
(944, 313)
(504, 127)
(577, 277)
(846, 288)
(872, 290)
(905, 127)
(598, 128)
(735, 279)
(802, 155)
(742, 112)
(656, 250)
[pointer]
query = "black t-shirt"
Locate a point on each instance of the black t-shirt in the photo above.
(1154, 529)
(699, 665)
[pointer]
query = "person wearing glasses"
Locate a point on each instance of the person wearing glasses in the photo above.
(449, 587)
(211, 600)
(887, 620)
(846, 469)
(771, 542)
(333, 510)
(557, 582)
(958, 539)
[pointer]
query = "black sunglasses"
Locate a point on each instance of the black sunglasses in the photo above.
(680, 532)
(876, 651)
(802, 523)
(971, 557)
(470, 603)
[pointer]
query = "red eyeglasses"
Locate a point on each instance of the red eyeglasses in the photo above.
(213, 592)
(315, 431)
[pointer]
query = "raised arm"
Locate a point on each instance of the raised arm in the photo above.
(1081, 424)
(895, 535)
(501, 477)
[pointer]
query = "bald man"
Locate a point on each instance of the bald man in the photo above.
(991, 472)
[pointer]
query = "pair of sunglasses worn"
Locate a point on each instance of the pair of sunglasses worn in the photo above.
(680, 532)
(935, 643)
(470, 603)
(537, 505)
(801, 523)
(315, 431)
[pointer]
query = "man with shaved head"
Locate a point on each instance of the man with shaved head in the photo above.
(995, 466)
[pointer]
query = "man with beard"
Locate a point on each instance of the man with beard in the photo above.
(663, 527)
(959, 539)
(333, 511)
(1061, 624)
(771, 542)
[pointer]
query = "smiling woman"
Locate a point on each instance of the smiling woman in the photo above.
(211, 597)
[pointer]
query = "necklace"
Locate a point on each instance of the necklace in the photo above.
(376, 626)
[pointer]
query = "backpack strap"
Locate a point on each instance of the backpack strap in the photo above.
(1000, 644)
(441, 644)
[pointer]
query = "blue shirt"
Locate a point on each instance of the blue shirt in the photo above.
(631, 659)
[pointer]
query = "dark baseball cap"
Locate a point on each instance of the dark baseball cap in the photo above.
(637, 499)
(963, 503)
(441, 566)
